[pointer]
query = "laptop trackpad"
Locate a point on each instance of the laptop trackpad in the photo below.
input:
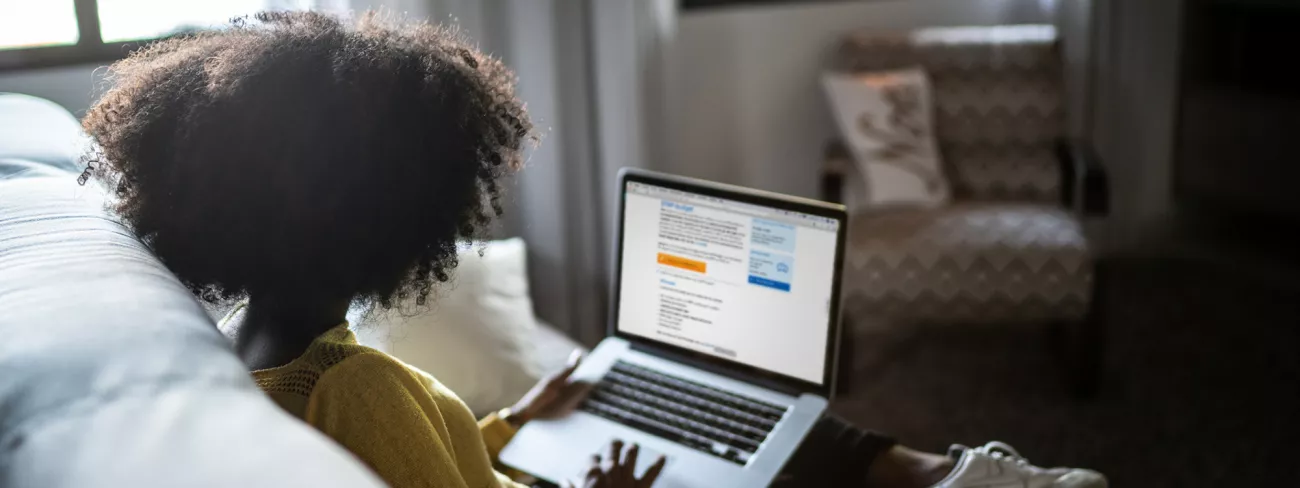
(645, 458)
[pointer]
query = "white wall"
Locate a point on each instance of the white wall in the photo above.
(740, 91)
(73, 87)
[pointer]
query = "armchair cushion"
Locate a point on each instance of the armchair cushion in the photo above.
(886, 118)
(998, 94)
(968, 263)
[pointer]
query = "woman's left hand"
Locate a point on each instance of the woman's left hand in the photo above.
(554, 396)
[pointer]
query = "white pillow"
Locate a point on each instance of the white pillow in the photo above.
(886, 119)
(476, 336)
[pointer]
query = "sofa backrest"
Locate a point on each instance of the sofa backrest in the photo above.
(998, 96)
(39, 131)
(111, 374)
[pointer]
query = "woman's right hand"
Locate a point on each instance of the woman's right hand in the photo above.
(617, 469)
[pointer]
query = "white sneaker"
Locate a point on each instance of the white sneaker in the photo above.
(997, 465)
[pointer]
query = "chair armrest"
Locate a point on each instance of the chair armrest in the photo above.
(837, 165)
(1084, 185)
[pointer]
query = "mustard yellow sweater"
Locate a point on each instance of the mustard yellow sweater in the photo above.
(410, 429)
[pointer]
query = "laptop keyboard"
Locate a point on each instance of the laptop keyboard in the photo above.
(715, 421)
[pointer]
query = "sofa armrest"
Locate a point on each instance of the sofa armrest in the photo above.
(112, 375)
(1084, 184)
(837, 168)
(40, 131)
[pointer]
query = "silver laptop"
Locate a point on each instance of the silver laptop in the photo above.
(723, 338)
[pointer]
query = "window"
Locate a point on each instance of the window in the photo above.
(131, 20)
(713, 4)
(36, 33)
(42, 23)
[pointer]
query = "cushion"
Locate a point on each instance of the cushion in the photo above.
(476, 336)
(41, 132)
(110, 372)
(886, 121)
(998, 96)
(551, 348)
(968, 262)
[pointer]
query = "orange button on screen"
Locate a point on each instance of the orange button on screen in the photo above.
(681, 262)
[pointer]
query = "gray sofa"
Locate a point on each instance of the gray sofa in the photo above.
(110, 373)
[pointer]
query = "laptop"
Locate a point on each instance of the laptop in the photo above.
(723, 337)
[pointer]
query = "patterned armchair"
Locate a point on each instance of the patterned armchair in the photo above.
(1010, 247)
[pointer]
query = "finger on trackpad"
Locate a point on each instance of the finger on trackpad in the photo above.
(645, 457)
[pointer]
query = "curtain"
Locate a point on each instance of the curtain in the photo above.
(585, 68)
(555, 205)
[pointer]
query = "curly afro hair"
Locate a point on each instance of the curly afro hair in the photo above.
(294, 155)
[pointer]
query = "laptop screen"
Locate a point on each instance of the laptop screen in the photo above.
(743, 282)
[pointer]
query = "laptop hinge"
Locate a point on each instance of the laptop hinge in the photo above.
(716, 369)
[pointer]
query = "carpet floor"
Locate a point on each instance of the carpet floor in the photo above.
(1200, 385)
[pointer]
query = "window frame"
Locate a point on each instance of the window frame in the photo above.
(90, 46)
(710, 5)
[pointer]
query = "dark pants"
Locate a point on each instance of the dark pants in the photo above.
(835, 453)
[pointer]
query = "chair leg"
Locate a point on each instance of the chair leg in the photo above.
(1085, 343)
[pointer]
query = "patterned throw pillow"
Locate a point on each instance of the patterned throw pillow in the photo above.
(887, 121)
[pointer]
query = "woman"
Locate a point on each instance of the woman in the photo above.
(305, 165)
